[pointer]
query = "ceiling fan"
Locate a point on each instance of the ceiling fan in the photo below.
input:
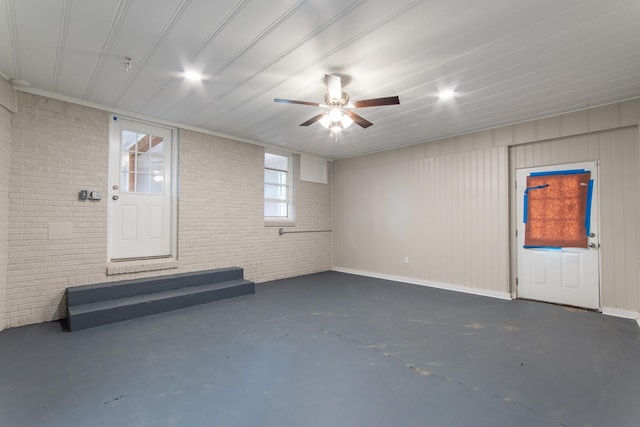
(340, 115)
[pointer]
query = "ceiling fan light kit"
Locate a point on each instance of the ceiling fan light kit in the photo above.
(340, 115)
(335, 119)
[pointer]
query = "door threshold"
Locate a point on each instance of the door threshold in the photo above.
(139, 265)
(567, 307)
(145, 258)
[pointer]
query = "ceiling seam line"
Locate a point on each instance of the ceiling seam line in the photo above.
(426, 53)
(494, 94)
(341, 46)
(293, 47)
(62, 40)
(423, 71)
(581, 105)
(13, 37)
(260, 36)
(334, 50)
(241, 83)
(502, 82)
(320, 29)
(518, 50)
(470, 126)
(116, 23)
(203, 44)
(154, 46)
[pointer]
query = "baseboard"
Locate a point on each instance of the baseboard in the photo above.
(625, 314)
(413, 281)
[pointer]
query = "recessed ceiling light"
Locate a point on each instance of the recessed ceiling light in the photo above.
(446, 94)
(192, 75)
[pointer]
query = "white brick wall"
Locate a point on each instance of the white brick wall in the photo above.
(5, 156)
(58, 148)
(221, 213)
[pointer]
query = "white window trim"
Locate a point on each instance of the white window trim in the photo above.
(290, 220)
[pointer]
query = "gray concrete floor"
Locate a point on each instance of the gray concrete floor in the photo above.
(330, 349)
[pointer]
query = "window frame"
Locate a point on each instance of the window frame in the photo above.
(288, 220)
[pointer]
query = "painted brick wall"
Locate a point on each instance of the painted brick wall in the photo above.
(221, 213)
(56, 240)
(5, 156)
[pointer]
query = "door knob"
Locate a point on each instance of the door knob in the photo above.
(115, 197)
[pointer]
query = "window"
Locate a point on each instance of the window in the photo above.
(557, 209)
(278, 189)
(141, 163)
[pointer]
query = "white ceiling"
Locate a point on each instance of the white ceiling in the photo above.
(509, 61)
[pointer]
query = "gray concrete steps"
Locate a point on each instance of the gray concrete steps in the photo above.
(94, 305)
(86, 294)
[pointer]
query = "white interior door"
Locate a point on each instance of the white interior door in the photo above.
(568, 275)
(140, 190)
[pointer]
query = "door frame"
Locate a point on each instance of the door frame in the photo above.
(174, 181)
(515, 237)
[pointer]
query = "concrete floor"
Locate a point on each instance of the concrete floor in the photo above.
(330, 349)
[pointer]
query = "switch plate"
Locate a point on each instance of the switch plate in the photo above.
(406, 260)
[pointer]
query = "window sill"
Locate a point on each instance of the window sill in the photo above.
(279, 222)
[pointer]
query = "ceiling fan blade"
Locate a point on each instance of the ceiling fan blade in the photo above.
(313, 120)
(390, 100)
(334, 86)
(361, 121)
(290, 101)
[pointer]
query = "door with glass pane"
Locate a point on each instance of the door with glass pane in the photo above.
(558, 236)
(140, 190)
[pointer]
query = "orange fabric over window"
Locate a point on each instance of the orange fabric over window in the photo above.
(556, 210)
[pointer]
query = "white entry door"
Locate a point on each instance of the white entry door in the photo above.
(140, 190)
(564, 275)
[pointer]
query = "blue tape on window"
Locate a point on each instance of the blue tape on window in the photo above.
(587, 218)
(551, 248)
(567, 172)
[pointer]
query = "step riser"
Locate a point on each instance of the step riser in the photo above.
(128, 288)
(90, 320)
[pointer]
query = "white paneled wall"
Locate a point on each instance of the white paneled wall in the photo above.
(442, 212)
(446, 204)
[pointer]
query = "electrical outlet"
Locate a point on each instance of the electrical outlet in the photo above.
(406, 260)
